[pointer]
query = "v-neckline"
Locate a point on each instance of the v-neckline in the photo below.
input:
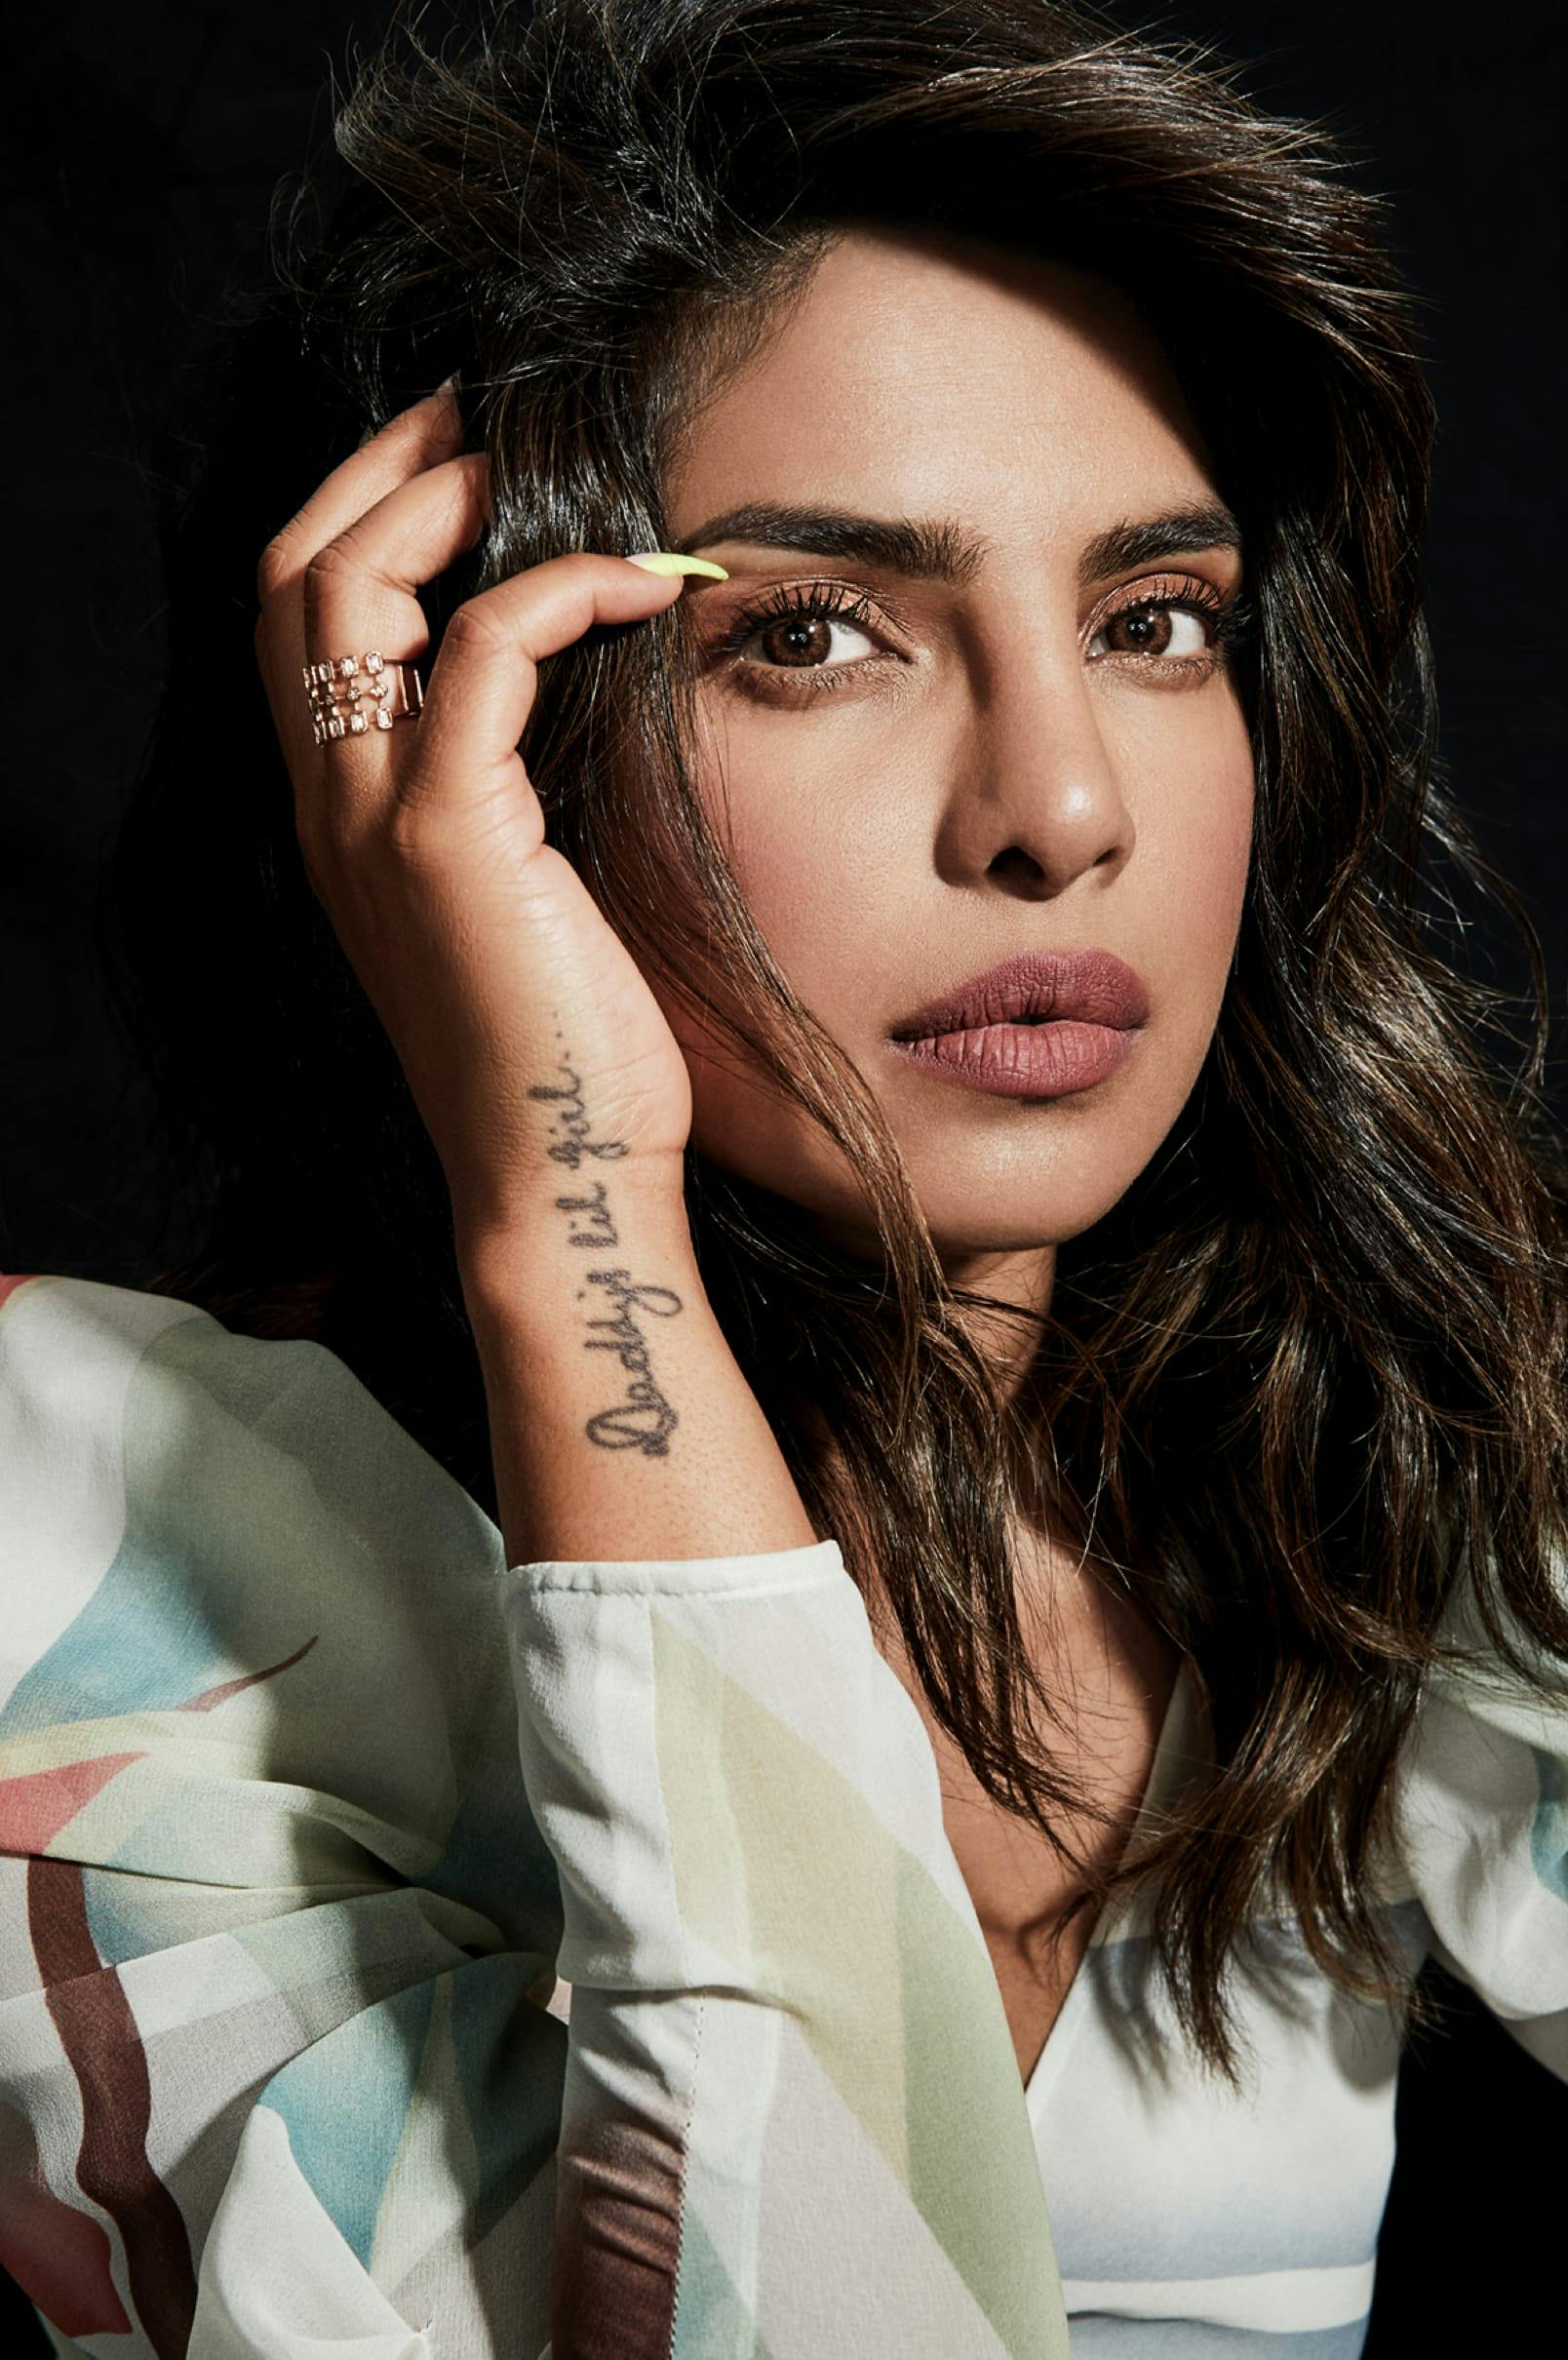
(1113, 1914)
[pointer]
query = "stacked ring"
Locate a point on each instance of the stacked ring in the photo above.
(355, 693)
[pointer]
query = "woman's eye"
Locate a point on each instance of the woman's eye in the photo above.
(801, 643)
(1165, 630)
(823, 635)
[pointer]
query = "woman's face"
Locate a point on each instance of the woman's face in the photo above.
(1019, 734)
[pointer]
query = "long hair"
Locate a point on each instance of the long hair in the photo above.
(1303, 1383)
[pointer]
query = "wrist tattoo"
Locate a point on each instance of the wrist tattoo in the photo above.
(645, 1419)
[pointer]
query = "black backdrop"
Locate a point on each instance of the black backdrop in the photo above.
(142, 150)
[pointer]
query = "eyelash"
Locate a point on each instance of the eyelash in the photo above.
(1180, 594)
(800, 601)
(833, 601)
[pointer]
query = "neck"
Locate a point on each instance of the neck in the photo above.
(1017, 1283)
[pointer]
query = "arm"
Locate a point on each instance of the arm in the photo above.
(792, 2117)
(620, 1425)
(816, 2016)
(1483, 1803)
(275, 1924)
(268, 1844)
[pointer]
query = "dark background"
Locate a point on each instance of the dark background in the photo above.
(136, 178)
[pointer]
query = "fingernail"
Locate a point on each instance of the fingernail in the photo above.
(669, 561)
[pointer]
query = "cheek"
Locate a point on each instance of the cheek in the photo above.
(802, 865)
(1208, 858)
(1195, 823)
(811, 866)
(787, 856)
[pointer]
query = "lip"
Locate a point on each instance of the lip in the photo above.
(1040, 1025)
(1091, 987)
(1024, 1060)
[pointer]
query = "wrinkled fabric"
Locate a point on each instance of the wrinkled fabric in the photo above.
(306, 1802)
(404, 1954)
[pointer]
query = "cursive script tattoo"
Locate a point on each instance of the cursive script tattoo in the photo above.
(644, 1420)
(595, 1209)
(572, 1121)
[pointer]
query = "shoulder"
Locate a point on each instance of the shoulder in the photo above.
(177, 1500)
(1481, 1791)
(119, 1387)
(81, 1358)
(85, 1365)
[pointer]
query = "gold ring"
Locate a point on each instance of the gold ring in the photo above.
(355, 693)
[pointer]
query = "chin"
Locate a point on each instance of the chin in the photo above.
(1000, 1230)
(980, 1191)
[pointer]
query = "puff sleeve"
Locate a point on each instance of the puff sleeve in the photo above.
(1483, 1813)
(306, 1796)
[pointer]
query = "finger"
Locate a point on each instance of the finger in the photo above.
(411, 443)
(360, 593)
(414, 440)
(482, 688)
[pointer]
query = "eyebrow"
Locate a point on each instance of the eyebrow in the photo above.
(934, 549)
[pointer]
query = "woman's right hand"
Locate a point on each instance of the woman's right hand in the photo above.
(520, 1018)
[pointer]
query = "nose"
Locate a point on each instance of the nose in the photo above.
(1036, 800)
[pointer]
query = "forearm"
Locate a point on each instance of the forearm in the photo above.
(791, 2112)
(621, 1426)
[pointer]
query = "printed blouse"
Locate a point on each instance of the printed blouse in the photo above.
(389, 1935)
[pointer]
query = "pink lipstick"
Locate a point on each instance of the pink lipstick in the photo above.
(1040, 1025)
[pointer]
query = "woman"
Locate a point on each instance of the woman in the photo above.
(822, 1151)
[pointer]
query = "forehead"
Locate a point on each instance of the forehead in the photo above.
(930, 372)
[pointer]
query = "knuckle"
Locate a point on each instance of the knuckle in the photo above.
(586, 570)
(409, 838)
(471, 628)
(403, 828)
(330, 563)
(278, 562)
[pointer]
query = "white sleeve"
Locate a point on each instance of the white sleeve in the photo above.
(1483, 1803)
(303, 1797)
(793, 2118)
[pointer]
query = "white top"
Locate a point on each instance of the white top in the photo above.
(310, 1806)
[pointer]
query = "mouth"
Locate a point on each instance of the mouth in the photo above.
(1036, 988)
(1039, 1026)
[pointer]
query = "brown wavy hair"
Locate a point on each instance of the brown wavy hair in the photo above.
(1305, 1381)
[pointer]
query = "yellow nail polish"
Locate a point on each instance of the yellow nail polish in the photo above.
(669, 561)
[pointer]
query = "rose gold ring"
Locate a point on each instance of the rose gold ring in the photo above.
(355, 693)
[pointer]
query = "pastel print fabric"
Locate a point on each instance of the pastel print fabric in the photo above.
(306, 1797)
(1483, 1803)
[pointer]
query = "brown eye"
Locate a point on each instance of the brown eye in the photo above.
(1164, 629)
(1140, 631)
(803, 628)
(801, 641)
